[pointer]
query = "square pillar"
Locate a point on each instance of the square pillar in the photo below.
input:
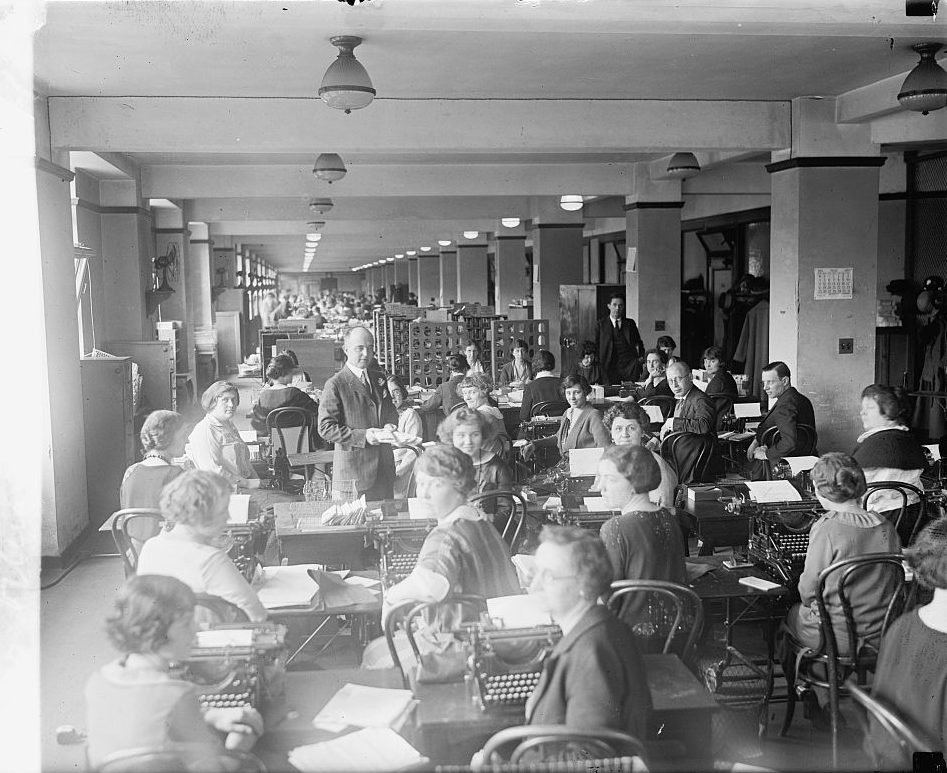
(472, 273)
(413, 278)
(429, 279)
(171, 230)
(448, 263)
(198, 275)
(511, 280)
(557, 260)
(825, 215)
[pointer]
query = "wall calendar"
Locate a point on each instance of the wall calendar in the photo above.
(833, 284)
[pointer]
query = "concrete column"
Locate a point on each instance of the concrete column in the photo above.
(413, 277)
(429, 279)
(825, 215)
(198, 276)
(594, 272)
(448, 262)
(511, 279)
(472, 273)
(400, 271)
(557, 260)
(170, 229)
(389, 279)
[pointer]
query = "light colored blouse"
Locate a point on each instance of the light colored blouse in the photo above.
(216, 446)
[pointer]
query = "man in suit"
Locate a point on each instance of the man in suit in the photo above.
(619, 345)
(447, 395)
(693, 411)
(354, 413)
(788, 409)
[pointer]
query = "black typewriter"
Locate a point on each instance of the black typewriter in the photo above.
(398, 543)
(247, 541)
(505, 663)
(232, 675)
(591, 520)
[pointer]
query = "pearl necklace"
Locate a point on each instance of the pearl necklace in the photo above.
(153, 454)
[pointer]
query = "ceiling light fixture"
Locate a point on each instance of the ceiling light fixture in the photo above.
(314, 236)
(390, 260)
(471, 234)
(312, 244)
(509, 222)
(346, 85)
(571, 202)
(425, 249)
(399, 255)
(321, 206)
(444, 242)
(925, 88)
(412, 252)
(683, 165)
(329, 167)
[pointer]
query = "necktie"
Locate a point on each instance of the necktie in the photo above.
(679, 408)
(367, 384)
(617, 324)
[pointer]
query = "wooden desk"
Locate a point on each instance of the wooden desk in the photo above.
(713, 525)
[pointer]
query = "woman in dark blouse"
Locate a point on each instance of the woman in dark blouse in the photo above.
(656, 383)
(279, 393)
(721, 382)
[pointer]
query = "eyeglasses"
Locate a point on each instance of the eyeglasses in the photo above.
(545, 576)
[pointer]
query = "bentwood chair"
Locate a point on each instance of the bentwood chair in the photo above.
(131, 527)
(664, 402)
(911, 517)
(538, 744)
(499, 503)
(162, 760)
(689, 454)
(294, 425)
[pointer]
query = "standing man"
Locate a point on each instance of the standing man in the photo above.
(693, 411)
(354, 413)
(619, 345)
(787, 410)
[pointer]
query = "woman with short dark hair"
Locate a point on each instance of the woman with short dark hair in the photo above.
(134, 703)
(629, 425)
(656, 383)
(163, 436)
(280, 393)
(721, 382)
(581, 425)
(544, 387)
(519, 370)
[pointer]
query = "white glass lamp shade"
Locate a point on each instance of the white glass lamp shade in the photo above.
(471, 234)
(444, 242)
(925, 88)
(683, 165)
(509, 222)
(346, 85)
(320, 206)
(571, 202)
(329, 167)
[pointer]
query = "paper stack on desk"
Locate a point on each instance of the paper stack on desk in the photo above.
(773, 491)
(288, 586)
(371, 749)
(356, 704)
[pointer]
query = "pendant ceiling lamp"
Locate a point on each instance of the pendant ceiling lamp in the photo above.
(571, 202)
(925, 88)
(346, 85)
(683, 165)
(471, 234)
(320, 206)
(509, 222)
(329, 167)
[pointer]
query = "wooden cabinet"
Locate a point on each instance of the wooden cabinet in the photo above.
(580, 307)
(155, 360)
(110, 443)
(229, 340)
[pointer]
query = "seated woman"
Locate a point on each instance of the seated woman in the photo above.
(667, 345)
(519, 371)
(594, 676)
(195, 508)
(588, 366)
(409, 423)
(629, 425)
(887, 450)
(163, 436)
(280, 393)
(911, 675)
(656, 384)
(134, 702)
(475, 389)
(447, 395)
(721, 382)
(645, 542)
(581, 425)
(215, 445)
(844, 531)
(473, 354)
(462, 554)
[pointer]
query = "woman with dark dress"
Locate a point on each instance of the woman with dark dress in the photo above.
(911, 675)
(656, 383)
(581, 425)
(280, 393)
(588, 367)
(163, 436)
(722, 389)
(887, 450)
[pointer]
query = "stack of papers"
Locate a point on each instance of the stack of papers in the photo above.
(356, 704)
(746, 410)
(520, 611)
(584, 461)
(773, 491)
(800, 463)
(225, 637)
(288, 586)
(371, 749)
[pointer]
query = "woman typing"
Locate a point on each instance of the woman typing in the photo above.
(656, 384)
(518, 371)
(134, 703)
(163, 436)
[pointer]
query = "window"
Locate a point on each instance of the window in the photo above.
(83, 260)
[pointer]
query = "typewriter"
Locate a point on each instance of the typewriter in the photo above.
(398, 543)
(591, 520)
(231, 674)
(247, 541)
(504, 664)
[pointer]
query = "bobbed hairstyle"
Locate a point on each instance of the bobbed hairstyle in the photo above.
(479, 381)
(838, 477)
(281, 365)
(636, 464)
(890, 401)
(450, 464)
(159, 429)
(668, 342)
(588, 347)
(544, 360)
(628, 410)
(146, 606)
(590, 562)
(781, 368)
(927, 555)
(660, 353)
(213, 393)
(465, 416)
(577, 381)
(715, 353)
(193, 498)
(521, 344)
(457, 363)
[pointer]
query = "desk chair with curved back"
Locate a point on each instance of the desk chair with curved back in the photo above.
(281, 419)
(514, 524)
(664, 402)
(407, 616)
(861, 645)
(674, 612)
(907, 530)
(806, 441)
(564, 748)
(165, 760)
(549, 408)
(689, 454)
(131, 527)
(723, 404)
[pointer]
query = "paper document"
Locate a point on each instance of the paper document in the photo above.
(239, 508)
(520, 443)
(654, 413)
(701, 385)
(369, 750)
(287, 586)
(746, 410)
(800, 463)
(520, 611)
(227, 637)
(934, 448)
(525, 564)
(249, 436)
(773, 491)
(418, 509)
(584, 461)
(595, 504)
(356, 704)
(516, 395)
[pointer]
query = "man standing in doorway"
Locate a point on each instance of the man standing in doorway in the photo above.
(356, 413)
(619, 345)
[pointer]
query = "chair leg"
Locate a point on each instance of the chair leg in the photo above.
(833, 709)
(789, 671)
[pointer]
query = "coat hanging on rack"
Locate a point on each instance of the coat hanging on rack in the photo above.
(930, 413)
(753, 347)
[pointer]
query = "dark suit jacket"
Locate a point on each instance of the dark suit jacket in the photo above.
(345, 412)
(603, 344)
(594, 677)
(539, 390)
(791, 410)
(698, 414)
(446, 397)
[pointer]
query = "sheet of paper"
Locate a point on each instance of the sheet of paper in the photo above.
(520, 443)
(552, 503)
(584, 461)
(239, 508)
(236, 637)
(594, 504)
(654, 413)
(701, 385)
(418, 509)
(520, 611)
(248, 436)
(746, 410)
(516, 395)
(598, 393)
(773, 491)
(617, 399)
(356, 704)
(365, 582)
(525, 564)
(801, 463)
(369, 750)
(287, 586)
(934, 448)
